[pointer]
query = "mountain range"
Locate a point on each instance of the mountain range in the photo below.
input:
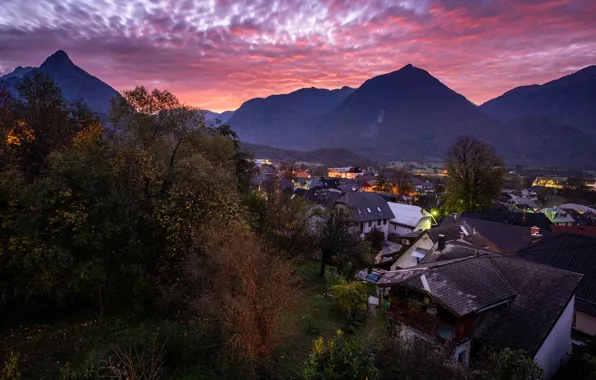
(405, 114)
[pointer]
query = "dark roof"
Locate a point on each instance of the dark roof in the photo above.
(464, 286)
(579, 230)
(542, 295)
(574, 253)
(505, 238)
(456, 250)
(366, 206)
(323, 196)
(512, 218)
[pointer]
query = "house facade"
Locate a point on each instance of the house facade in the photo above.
(369, 210)
(345, 172)
(408, 219)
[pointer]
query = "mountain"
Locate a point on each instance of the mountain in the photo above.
(285, 120)
(75, 82)
(330, 157)
(405, 113)
(571, 99)
(544, 141)
(211, 116)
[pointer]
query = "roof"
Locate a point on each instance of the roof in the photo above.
(513, 218)
(557, 215)
(578, 230)
(542, 295)
(574, 253)
(456, 250)
(464, 286)
(577, 207)
(347, 169)
(505, 238)
(524, 201)
(366, 206)
(406, 215)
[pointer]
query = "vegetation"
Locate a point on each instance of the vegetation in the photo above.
(474, 175)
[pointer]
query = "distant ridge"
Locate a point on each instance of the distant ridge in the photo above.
(74, 82)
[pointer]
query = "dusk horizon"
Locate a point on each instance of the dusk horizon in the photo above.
(218, 54)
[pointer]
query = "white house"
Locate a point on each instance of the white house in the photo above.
(408, 219)
(369, 210)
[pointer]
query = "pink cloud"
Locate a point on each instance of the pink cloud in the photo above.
(218, 54)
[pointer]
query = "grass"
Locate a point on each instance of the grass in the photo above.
(66, 350)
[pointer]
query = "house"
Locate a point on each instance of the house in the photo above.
(500, 237)
(578, 230)
(573, 253)
(558, 216)
(522, 219)
(425, 187)
(408, 218)
(424, 246)
(522, 204)
(345, 172)
(301, 174)
(369, 210)
(486, 301)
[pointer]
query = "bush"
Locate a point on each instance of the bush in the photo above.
(340, 359)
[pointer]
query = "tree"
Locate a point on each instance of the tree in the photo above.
(242, 289)
(337, 236)
(288, 169)
(377, 239)
(351, 297)
(382, 186)
(401, 177)
(340, 359)
(474, 175)
(243, 164)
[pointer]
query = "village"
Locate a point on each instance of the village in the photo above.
(519, 276)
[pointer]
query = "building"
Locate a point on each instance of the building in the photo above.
(498, 237)
(346, 172)
(558, 216)
(369, 210)
(573, 253)
(408, 219)
(522, 219)
(486, 301)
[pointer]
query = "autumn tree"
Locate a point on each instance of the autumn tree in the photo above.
(243, 289)
(401, 178)
(382, 185)
(474, 175)
(288, 169)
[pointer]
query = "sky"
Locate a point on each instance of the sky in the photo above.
(216, 54)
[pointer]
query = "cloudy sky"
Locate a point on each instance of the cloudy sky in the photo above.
(218, 53)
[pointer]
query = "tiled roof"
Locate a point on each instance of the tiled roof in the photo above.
(542, 295)
(505, 238)
(464, 286)
(366, 206)
(574, 253)
(537, 219)
(456, 250)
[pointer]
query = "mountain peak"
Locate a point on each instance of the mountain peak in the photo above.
(58, 58)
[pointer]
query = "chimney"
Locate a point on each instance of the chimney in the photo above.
(535, 233)
(524, 219)
(441, 245)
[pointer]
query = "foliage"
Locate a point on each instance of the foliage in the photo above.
(509, 365)
(474, 175)
(581, 364)
(242, 288)
(351, 297)
(382, 185)
(10, 367)
(377, 239)
(288, 169)
(340, 359)
(339, 241)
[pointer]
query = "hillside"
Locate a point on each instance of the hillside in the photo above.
(405, 113)
(329, 156)
(570, 99)
(74, 82)
(285, 120)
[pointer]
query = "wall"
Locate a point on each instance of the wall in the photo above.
(585, 323)
(463, 347)
(557, 345)
(406, 260)
(423, 224)
(366, 228)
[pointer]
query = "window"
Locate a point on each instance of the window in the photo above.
(384, 222)
(379, 209)
(368, 209)
(370, 224)
(361, 227)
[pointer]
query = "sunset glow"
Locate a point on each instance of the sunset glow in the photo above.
(217, 54)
